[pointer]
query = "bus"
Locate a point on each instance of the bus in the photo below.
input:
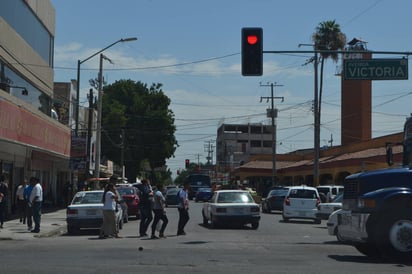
(198, 181)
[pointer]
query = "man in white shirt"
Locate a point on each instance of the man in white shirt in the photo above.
(36, 199)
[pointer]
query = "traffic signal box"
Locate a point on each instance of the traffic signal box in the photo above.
(187, 162)
(252, 51)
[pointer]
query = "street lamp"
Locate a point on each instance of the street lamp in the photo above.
(78, 78)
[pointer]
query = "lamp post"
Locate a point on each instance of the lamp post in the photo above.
(79, 62)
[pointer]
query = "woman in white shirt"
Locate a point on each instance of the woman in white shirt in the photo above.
(109, 227)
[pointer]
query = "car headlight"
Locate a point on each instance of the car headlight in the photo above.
(254, 209)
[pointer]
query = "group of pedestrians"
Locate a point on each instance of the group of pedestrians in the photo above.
(29, 199)
(151, 202)
(155, 202)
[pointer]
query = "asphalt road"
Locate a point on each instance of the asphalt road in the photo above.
(276, 247)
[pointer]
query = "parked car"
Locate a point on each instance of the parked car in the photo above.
(301, 203)
(329, 192)
(274, 200)
(203, 194)
(171, 197)
(325, 209)
(332, 224)
(85, 212)
(129, 195)
(231, 207)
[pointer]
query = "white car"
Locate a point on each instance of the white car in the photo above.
(301, 203)
(231, 207)
(85, 212)
(325, 209)
(332, 224)
(330, 191)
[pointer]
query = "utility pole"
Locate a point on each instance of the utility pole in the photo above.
(89, 131)
(272, 113)
(122, 146)
(209, 149)
(316, 115)
(317, 123)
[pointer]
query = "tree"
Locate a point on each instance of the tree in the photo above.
(328, 36)
(137, 119)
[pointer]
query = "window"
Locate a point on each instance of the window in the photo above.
(22, 19)
(255, 143)
(303, 194)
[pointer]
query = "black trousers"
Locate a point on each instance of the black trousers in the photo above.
(3, 211)
(159, 215)
(145, 219)
(183, 219)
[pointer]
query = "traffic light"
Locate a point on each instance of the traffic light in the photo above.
(252, 51)
(187, 162)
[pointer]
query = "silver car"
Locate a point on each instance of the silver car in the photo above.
(85, 212)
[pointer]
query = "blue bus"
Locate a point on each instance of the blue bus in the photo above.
(198, 181)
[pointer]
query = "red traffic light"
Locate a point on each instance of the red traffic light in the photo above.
(252, 39)
(187, 162)
(252, 51)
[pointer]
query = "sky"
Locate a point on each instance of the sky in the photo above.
(193, 49)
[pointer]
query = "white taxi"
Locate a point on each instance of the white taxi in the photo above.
(85, 212)
(232, 207)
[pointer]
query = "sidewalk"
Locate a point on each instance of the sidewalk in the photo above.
(52, 223)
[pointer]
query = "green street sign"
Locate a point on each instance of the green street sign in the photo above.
(375, 69)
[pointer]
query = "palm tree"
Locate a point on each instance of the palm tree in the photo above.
(328, 37)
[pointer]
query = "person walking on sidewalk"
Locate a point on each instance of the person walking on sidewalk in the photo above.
(159, 212)
(109, 227)
(145, 204)
(4, 193)
(29, 213)
(36, 199)
(21, 202)
(183, 208)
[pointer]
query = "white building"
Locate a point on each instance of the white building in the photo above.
(237, 142)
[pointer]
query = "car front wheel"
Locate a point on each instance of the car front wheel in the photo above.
(255, 225)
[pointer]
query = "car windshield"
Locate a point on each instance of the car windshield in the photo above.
(303, 193)
(88, 198)
(234, 197)
(204, 190)
(324, 190)
(172, 191)
(278, 192)
(125, 191)
(338, 198)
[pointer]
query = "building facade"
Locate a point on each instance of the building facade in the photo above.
(32, 143)
(236, 143)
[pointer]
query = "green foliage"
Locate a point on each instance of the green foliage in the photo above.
(143, 114)
(328, 36)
